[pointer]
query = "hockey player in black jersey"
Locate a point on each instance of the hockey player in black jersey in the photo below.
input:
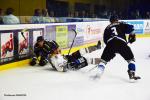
(115, 40)
(42, 50)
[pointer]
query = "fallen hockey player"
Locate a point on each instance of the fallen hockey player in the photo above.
(49, 51)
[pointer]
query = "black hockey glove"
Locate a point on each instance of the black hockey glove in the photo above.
(131, 38)
(33, 61)
(43, 62)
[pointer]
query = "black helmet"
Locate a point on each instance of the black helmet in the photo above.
(40, 38)
(113, 18)
(54, 45)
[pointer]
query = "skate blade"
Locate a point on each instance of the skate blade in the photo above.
(137, 78)
(95, 77)
(134, 80)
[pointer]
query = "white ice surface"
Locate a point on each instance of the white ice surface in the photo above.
(42, 83)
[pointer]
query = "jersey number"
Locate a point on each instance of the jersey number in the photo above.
(114, 30)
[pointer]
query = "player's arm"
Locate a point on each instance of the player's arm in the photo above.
(34, 55)
(106, 36)
(129, 29)
(36, 48)
(49, 47)
(132, 38)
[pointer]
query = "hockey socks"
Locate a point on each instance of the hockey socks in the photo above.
(88, 50)
(131, 72)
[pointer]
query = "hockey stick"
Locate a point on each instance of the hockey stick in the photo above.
(71, 45)
(72, 41)
(92, 68)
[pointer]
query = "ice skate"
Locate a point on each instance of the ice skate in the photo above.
(97, 72)
(132, 76)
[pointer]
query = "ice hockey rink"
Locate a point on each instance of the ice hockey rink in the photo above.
(43, 83)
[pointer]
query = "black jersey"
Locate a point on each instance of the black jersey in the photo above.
(47, 48)
(117, 30)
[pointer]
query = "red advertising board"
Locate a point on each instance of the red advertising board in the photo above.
(7, 46)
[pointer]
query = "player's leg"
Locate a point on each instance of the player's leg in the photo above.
(107, 55)
(76, 61)
(89, 49)
(127, 54)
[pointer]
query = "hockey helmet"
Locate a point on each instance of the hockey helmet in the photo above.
(113, 18)
(54, 45)
(40, 38)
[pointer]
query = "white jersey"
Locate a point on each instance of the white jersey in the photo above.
(59, 62)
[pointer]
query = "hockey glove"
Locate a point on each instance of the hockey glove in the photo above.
(131, 38)
(33, 61)
(43, 62)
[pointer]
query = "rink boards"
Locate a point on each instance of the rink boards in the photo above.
(15, 50)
